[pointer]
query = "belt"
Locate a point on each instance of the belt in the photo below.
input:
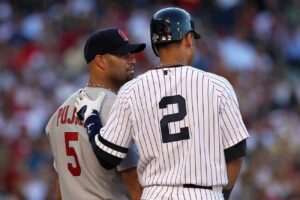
(197, 186)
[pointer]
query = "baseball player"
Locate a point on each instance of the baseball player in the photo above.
(185, 122)
(108, 54)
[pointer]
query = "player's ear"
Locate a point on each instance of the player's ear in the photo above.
(100, 61)
(189, 40)
(189, 46)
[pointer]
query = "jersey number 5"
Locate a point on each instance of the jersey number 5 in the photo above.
(72, 136)
(184, 132)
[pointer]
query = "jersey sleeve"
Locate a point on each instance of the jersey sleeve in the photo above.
(115, 138)
(52, 144)
(232, 126)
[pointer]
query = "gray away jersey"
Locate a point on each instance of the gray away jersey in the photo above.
(80, 174)
(181, 119)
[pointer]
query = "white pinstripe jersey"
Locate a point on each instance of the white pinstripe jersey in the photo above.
(181, 120)
(80, 174)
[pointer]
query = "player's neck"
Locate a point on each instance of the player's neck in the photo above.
(102, 84)
(171, 62)
(173, 58)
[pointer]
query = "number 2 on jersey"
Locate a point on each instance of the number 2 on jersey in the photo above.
(184, 132)
(72, 136)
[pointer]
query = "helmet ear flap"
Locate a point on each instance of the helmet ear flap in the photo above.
(154, 49)
(162, 27)
(161, 31)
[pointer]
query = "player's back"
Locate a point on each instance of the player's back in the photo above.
(80, 174)
(177, 126)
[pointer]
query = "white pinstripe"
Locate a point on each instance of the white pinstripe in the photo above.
(212, 117)
(180, 193)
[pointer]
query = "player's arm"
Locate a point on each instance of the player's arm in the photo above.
(53, 147)
(88, 112)
(58, 193)
(234, 136)
(234, 157)
(133, 186)
(128, 170)
(108, 149)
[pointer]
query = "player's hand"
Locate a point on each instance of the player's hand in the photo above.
(86, 107)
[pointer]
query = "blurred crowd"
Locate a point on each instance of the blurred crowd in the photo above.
(255, 44)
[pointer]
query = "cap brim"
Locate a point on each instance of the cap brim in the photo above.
(197, 35)
(130, 48)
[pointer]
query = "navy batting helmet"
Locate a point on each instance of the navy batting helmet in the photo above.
(170, 24)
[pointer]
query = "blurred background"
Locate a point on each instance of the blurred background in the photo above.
(255, 44)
